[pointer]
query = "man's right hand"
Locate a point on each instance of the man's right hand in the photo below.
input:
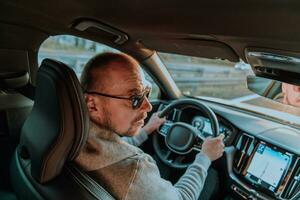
(213, 148)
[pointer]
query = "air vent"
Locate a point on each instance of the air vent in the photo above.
(292, 190)
(244, 146)
(268, 70)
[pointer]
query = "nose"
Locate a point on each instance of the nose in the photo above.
(146, 105)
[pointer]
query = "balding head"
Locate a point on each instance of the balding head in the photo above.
(111, 82)
(97, 72)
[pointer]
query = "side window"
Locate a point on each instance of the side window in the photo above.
(76, 52)
(155, 92)
(73, 51)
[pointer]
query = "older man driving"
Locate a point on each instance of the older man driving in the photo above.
(116, 96)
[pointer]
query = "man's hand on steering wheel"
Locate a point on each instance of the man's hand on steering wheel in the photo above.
(154, 122)
(213, 148)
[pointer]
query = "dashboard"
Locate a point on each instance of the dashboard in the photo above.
(262, 156)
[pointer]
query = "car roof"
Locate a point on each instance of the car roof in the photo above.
(212, 29)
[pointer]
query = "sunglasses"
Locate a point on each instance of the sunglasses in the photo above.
(136, 100)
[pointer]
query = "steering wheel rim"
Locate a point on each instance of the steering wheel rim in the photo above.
(164, 156)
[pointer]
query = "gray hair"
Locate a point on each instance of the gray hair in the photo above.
(101, 61)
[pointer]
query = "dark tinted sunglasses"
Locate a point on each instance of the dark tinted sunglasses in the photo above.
(136, 100)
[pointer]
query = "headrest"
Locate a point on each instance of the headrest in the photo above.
(14, 80)
(57, 127)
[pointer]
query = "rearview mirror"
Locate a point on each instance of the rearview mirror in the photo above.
(276, 90)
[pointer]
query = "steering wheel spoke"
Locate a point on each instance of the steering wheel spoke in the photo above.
(167, 154)
(179, 160)
(197, 147)
(198, 144)
(173, 158)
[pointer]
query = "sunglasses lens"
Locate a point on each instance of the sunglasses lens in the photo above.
(138, 100)
(135, 102)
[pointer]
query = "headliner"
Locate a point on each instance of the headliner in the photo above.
(160, 25)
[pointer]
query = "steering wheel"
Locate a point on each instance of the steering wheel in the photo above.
(181, 138)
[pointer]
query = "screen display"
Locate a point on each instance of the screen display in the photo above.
(207, 127)
(267, 167)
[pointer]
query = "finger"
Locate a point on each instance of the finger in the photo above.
(222, 150)
(158, 114)
(163, 119)
(221, 136)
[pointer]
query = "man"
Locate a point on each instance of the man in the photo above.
(291, 94)
(116, 97)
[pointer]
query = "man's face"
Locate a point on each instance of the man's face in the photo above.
(118, 115)
(291, 94)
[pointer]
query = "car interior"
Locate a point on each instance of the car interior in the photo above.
(45, 123)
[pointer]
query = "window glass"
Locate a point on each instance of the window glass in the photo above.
(71, 50)
(75, 52)
(155, 92)
(208, 77)
(218, 79)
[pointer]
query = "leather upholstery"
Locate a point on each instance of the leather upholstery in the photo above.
(57, 127)
(52, 136)
(71, 183)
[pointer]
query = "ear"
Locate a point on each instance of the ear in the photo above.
(93, 108)
(91, 104)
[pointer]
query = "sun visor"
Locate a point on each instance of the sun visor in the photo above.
(193, 47)
(94, 27)
(275, 64)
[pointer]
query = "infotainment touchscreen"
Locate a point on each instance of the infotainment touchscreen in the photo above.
(268, 167)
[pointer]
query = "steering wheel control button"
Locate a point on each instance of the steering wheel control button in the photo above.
(165, 128)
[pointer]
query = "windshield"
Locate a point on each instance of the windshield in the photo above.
(220, 80)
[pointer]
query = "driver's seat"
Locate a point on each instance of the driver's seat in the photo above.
(51, 137)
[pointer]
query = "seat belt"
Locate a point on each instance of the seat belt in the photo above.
(88, 183)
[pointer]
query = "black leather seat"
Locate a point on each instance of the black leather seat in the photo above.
(51, 137)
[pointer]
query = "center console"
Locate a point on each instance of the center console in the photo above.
(269, 171)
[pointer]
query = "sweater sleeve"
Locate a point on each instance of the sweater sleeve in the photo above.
(136, 140)
(148, 184)
(191, 183)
